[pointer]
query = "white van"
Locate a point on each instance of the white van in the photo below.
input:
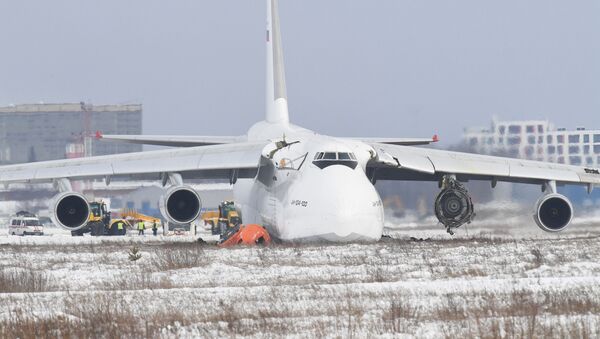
(25, 224)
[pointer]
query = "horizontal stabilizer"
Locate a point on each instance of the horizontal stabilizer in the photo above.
(402, 141)
(170, 140)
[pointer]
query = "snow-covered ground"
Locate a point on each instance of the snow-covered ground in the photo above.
(500, 277)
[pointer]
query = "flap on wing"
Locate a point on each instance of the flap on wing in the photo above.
(537, 170)
(590, 175)
(220, 158)
(170, 140)
(463, 163)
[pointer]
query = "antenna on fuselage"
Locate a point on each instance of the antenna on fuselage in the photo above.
(276, 92)
(279, 145)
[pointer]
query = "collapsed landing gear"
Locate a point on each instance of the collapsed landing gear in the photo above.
(453, 206)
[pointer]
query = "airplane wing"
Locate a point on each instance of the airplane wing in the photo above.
(215, 162)
(170, 140)
(415, 163)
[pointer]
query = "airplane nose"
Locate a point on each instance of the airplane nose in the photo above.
(334, 204)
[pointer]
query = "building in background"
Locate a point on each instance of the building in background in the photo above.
(38, 132)
(536, 140)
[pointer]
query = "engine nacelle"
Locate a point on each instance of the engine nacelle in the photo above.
(180, 205)
(454, 207)
(70, 210)
(553, 212)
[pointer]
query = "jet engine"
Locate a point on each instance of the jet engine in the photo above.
(453, 206)
(70, 210)
(180, 204)
(553, 212)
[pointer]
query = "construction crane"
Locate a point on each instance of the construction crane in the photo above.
(87, 129)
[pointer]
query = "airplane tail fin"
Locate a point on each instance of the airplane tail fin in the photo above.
(276, 93)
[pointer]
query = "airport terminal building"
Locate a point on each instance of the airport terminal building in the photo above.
(536, 140)
(38, 132)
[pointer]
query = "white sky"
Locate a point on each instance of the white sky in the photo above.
(354, 68)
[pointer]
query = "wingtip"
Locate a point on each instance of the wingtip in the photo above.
(435, 138)
(98, 135)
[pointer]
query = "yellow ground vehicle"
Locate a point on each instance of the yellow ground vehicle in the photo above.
(228, 211)
(211, 218)
(226, 217)
(130, 214)
(101, 223)
(113, 229)
(99, 220)
(134, 216)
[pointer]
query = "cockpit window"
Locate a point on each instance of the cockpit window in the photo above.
(344, 156)
(329, 156)
(326, 159)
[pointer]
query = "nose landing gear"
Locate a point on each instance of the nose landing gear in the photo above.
(453, 206)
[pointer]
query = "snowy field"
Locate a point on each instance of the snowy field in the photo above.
(490, 280)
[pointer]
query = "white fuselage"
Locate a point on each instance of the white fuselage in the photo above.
(300, 198)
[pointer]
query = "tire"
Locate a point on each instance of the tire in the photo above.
(97, 229)
(112, 230)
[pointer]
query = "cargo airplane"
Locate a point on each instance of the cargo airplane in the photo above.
(302, 186)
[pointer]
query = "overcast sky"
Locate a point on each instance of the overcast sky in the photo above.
(354, 68)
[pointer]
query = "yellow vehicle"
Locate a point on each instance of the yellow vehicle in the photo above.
(226, 217)
(118, 226)
(211, 218)
(228, 211)
(98, 221)
(133, 216)
(101, 223)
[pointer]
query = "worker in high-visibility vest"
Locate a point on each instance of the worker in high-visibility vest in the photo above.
(141, 227)
(120, 227)
(154, 228)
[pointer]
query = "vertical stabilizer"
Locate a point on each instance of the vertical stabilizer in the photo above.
(276, 93)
